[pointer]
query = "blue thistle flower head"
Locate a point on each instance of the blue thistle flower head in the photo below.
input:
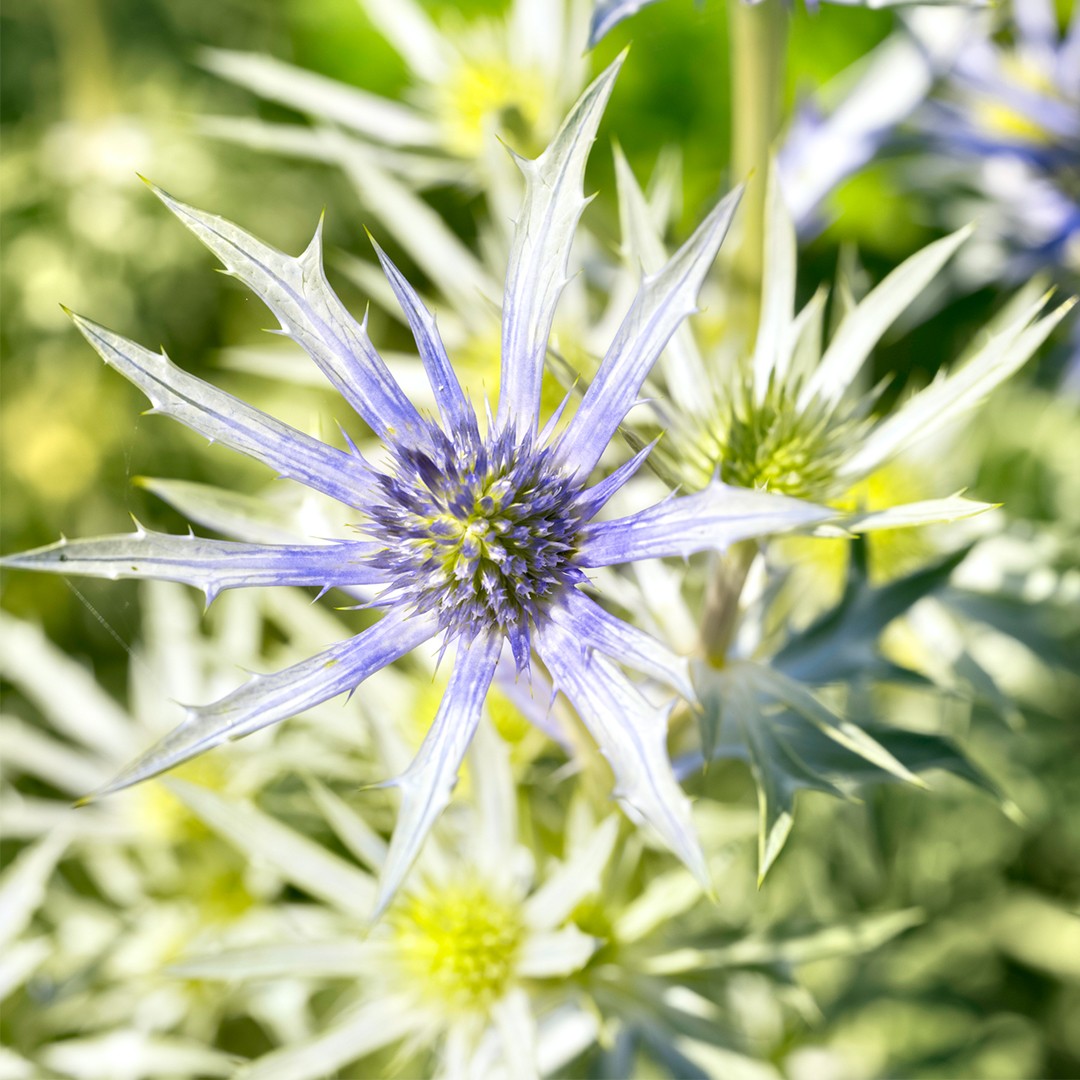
(477, 539)
(1008, 117)
(482, 533)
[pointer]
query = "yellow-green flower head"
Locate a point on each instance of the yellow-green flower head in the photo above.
(470, 82)
(791, 418)
(770, 445)
(459, 942)
(474, 966)
(484, 93)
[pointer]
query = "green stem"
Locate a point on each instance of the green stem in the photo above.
(758, 34)
(722, 597)
(83, 59)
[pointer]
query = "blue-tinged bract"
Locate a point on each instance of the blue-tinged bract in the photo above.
(479, 539)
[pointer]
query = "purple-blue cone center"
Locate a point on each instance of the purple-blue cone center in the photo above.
(482, 533)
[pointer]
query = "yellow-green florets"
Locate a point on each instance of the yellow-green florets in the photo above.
(770, 445)
(460, 944)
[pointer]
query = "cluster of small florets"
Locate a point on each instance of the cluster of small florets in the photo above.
(479, 532)
(771, 445)
(459, 943)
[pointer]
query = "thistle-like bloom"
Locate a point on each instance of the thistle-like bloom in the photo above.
(789, 418)
(475, 538)
(471, 971)
(1007, 124)
(470, 81)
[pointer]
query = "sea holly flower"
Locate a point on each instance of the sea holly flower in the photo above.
(471, 971)
(473, 538)
(472, 80)
(790, 417)
(1006, 124)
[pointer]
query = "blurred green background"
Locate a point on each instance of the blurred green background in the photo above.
(93, 90)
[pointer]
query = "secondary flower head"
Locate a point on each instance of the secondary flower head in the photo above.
(786, 416)
(474, 966)
(479, 538)
(789, 418)
(470, 81)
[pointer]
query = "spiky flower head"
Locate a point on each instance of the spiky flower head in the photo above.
(791, 417)
(471, 80)
(474, 539)
(766, 444)
(479, 533)
(459, 942)
(474, 958)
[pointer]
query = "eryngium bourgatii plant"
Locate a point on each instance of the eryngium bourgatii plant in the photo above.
(478, 538)
(786, 416)
(790, 417)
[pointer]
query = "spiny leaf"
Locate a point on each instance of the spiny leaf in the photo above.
(843, 642)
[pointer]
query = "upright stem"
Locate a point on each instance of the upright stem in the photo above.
(83, 59)
(722, 595)
(758, 48)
